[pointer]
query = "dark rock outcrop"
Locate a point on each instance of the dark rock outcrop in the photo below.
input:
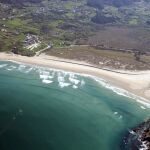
(139, 137)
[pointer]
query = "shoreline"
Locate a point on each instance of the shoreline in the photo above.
(137, 82)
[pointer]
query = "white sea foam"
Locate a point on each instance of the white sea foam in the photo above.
(82, 82)
(21, 67)
(144, 146)
(143, 102)
(117, 90)
(43, 76)
(63, 84)
(100, 80)
(50, 77)
(74, 81)
(45, 73)
(13, 67)
(28, 70)
(74, 87)
(131, 132)
(120, 117)
(3, 65)
(115, 113)
(122, 92)
(142, 107)
(63, 76)
(61, 79)
(9, 69)
(47, 81)
(53, 73)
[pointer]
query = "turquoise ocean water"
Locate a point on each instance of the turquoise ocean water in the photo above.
(46, 109)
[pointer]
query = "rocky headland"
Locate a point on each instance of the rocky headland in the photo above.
(139, 137)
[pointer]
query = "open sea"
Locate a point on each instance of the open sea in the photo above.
(48, 109)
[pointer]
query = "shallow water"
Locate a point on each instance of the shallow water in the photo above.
(46, 109)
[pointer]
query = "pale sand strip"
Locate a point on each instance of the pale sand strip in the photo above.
(137, 82)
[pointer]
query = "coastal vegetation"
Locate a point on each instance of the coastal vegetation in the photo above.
(67, 22)
(103, 58)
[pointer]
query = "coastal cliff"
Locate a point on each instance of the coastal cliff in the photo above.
(139, 137)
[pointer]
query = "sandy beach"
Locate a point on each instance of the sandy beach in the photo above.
(136, 82)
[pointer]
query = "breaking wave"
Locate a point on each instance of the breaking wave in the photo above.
(47, 81)
(3, 65)
(65, 79)
(122, 92)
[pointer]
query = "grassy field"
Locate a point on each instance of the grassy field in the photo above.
(102, 58)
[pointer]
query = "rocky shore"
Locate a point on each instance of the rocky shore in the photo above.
(139, 137)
